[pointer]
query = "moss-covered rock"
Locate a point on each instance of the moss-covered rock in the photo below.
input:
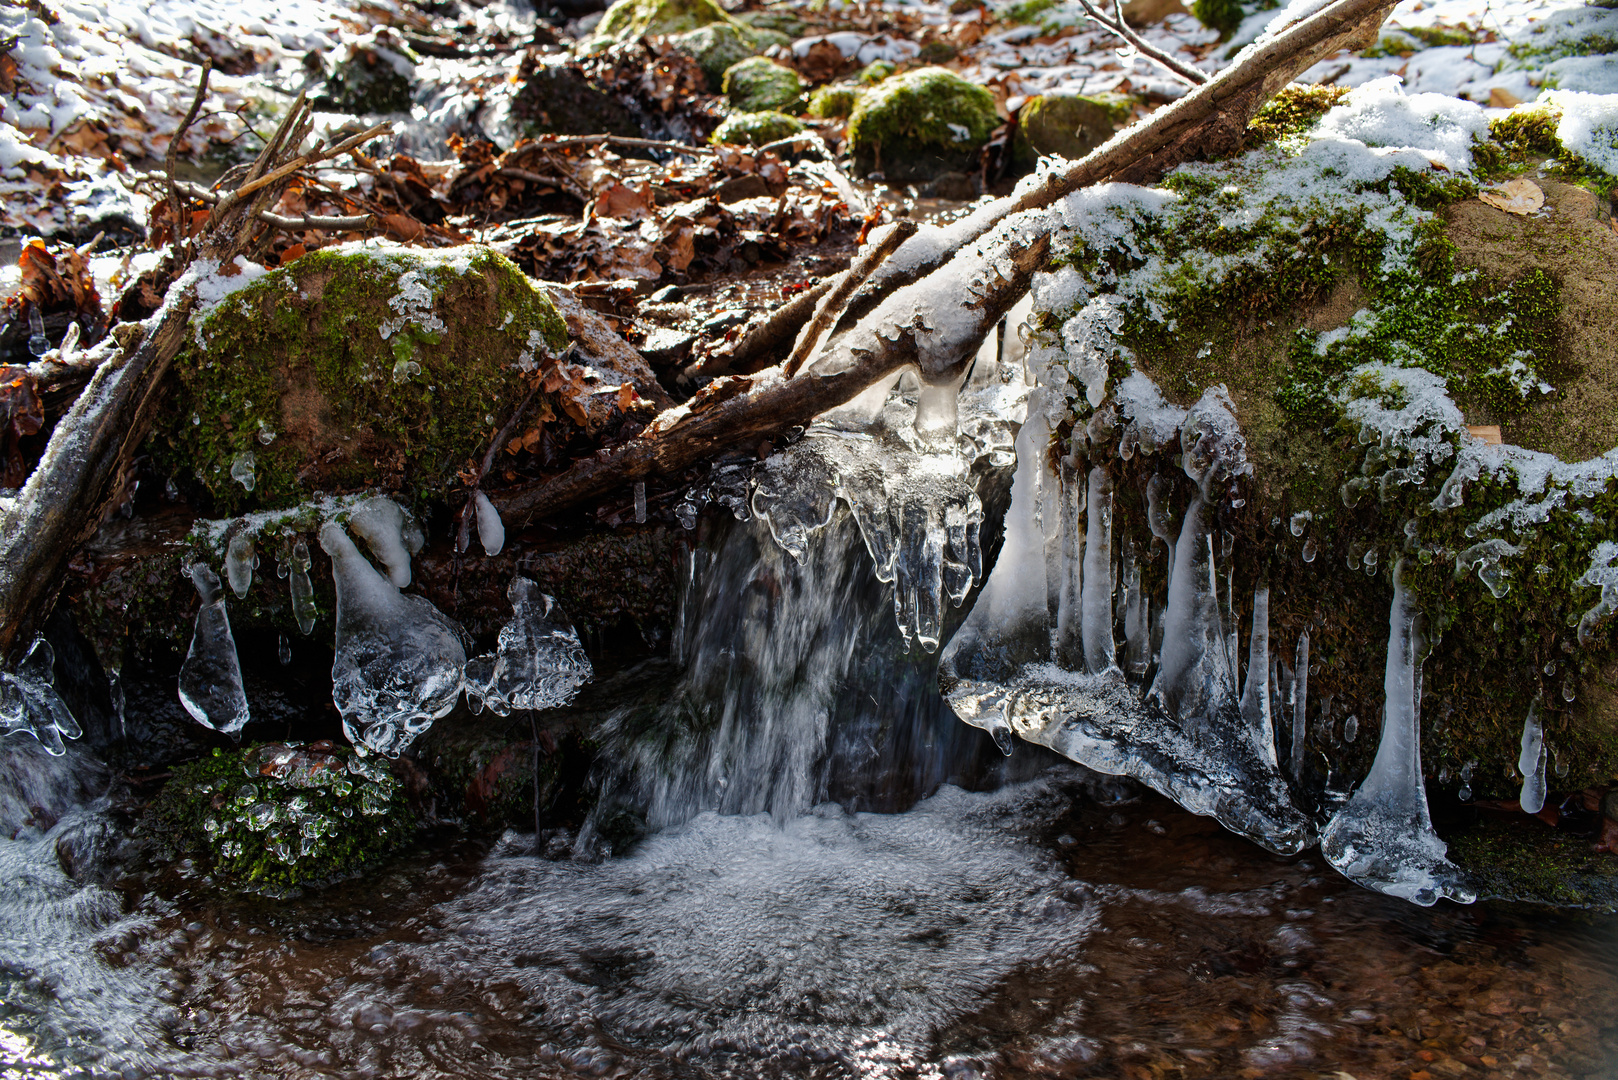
(630, 19)
(784, 23)
(1221, 15)
(556, 99)
(833, 102)
(759, 85)
(275, 818)
(875, 72)
(756, 129)
(1067, 125)
(920, 124)
(355, 367)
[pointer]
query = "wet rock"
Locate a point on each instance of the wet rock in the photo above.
(921, 124)
(667, 348)
(1066, 125)
(760, 85)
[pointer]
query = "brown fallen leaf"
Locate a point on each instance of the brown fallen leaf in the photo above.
(1520, 197)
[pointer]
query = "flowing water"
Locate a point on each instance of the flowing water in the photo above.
(1001, 917)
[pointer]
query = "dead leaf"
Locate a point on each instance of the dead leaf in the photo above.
(1503, 99)
(626, 397)
(1489, 433)
(1520, 197)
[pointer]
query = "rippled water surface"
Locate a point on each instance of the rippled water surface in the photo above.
(1046, 930)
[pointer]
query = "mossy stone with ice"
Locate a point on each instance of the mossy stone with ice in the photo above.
(275, 819)
(756, 128)
(833, 102)
(1363, 314)
(920, 124)
(355, 367)
(760, 85)
(1067, 125)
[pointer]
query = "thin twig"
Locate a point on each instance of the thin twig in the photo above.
(831, 305)
(173, 155)
(624, 140)
(1117, 25)
(314, 157)
(531, 177)
(318, 222)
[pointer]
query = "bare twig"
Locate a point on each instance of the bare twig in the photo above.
(625, 140)
(531, 177)
(172, 156)
(842, 288)
(1116, 24)
(318, 222)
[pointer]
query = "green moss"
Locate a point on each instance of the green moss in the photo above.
(758, 85)
(1026, 11)
(756, 129)
(919, 124)
(1526, 138)
(1292, 111)
(832, 101)
(295, 370)
(875, 72)
(274, 819)
(1221, 15)
(1521, 858)
(788, 25)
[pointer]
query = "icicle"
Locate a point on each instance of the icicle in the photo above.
(211, 677)
(640, 507)
(1159, 520)
(303, 589)
(539, 663)
(1383, 839)
(29, 701)
(1099, 654)
(283, 650)
(239, 563)
(38, 343)
(1531, 763)
(1137, 619)
(398, 663)
(1192, 672)
(1069, 569)
(1256, 693)
(391, 534)
(1300, 707)
(491, 530)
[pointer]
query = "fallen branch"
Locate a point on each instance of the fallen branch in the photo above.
(765, 404)
(1116, 25)
(843, 287)
(318, 222)
(625, 140)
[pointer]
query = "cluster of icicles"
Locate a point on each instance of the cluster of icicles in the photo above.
(1037, 657)
(400, 663)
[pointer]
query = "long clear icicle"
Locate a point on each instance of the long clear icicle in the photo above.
(1300, 707)
(1255, 706)
(1384, 839)
(1099, 651)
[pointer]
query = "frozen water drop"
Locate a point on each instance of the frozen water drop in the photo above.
(1351, 728)
(1568, 690)
(1299, 520)
(390, 532)
(241, 469)
(239, 562)
(266, 434)
(211, 677)
(303, 589)
(1310, 550)
(491, 531)
(1531, 762)
(640, 502)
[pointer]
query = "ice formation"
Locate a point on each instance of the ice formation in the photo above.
(211, 677)
(491, 530)
(1190, 737)
(1531, 763)
(303, 589)
(1384, 839)
(391, 533)
(398, 663)
(239, 563)
(1299, 705)
(29, 701)
(539, 663)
